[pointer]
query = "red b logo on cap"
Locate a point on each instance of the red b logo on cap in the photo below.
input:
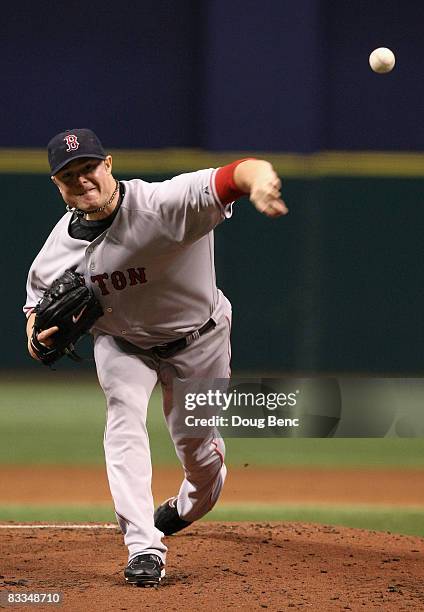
(72, 142)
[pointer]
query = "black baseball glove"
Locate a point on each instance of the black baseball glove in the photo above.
(70, 305)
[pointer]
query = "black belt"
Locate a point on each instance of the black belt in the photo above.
(164, 351)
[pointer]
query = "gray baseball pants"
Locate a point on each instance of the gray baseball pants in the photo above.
(128, 376)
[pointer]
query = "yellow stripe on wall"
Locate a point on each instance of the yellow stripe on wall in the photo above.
(172, 161)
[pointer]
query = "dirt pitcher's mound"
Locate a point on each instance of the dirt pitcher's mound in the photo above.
(215, 566)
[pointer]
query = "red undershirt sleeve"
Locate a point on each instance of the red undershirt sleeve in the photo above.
(226, 189)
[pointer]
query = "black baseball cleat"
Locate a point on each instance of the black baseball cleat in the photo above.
(167, 519)
(145, 570)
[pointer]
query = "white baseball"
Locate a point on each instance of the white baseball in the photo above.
(382, 60)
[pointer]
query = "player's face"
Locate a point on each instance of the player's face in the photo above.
(86, 183)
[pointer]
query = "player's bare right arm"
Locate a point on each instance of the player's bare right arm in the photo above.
(258, 178)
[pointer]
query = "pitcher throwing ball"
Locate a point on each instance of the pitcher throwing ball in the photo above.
(146, 251)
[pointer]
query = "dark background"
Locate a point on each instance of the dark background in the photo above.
(335, 286)
(276, 75)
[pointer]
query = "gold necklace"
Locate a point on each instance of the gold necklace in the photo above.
(81, 213)
(110, 200)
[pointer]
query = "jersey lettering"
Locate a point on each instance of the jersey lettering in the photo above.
(100, 278)
(72, 142)
(136, 276)
(118, 280)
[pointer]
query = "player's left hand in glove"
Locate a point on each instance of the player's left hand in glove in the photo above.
(67, 310)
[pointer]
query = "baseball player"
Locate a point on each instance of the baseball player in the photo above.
(146, 249)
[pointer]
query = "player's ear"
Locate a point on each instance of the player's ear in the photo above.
(108, 164)
(54, 179)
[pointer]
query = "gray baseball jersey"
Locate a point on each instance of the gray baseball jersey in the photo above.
(153, 272)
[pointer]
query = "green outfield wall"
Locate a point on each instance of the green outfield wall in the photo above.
(335, 286)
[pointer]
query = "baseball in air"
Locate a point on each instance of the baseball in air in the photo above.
(382, 60)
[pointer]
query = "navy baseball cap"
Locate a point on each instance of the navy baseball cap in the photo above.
(72, 144)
